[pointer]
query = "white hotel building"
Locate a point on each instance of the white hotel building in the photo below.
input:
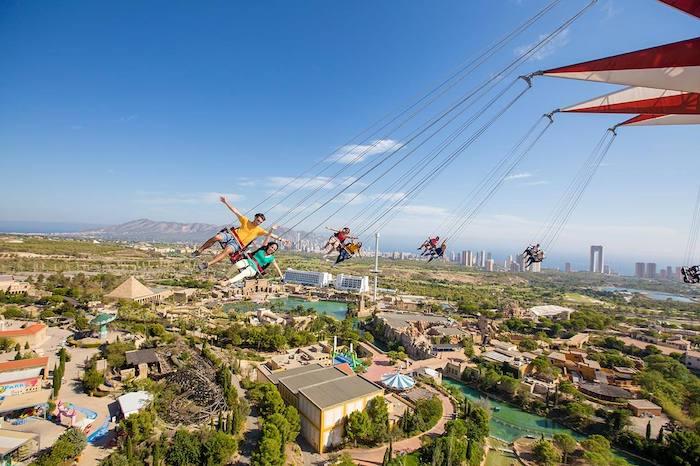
(309, 278)
(352, 283)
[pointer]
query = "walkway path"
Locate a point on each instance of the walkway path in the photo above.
(374, 456)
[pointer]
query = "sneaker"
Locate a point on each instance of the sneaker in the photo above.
(203, 266)
(196, 253)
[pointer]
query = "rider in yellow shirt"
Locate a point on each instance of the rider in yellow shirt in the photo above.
(235, 239)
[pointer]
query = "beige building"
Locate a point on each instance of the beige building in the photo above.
(34, 334)
(9, 285)
(133, 290)
(324, 396)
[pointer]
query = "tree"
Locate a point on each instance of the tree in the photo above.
(67, 447)
(294, 422)
(546, 454)
(566, 443)
(217, 448)
(579, 413)
(648, 432)
(268, 399)
(269, 448)
(344, 460)
(684, 448)
(598, 453)
(185, 449)
(616, 421)
(477, 425)
(91, 380)
(56, 381)
(378, 414)
(357, 427)
(139, 426)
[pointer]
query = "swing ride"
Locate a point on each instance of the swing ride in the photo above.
(663, 89)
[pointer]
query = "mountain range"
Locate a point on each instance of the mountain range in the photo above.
(144, 229)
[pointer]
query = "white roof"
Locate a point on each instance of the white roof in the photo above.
(134, 401)
(550, 310)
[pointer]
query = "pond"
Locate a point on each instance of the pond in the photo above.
(335, 309)
(509, 423)
(656, 295)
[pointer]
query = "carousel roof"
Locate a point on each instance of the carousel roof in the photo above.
(397, 381)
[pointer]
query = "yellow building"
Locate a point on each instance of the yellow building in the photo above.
(324, 397)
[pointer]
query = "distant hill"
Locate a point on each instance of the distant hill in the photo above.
(144, 229)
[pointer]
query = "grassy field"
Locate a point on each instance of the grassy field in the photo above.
(64, 247)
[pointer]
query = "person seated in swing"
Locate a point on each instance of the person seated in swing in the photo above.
(258, 261)
(533, 253)
(348, 251)
(429, 245)
(691, 274)
(234, 240)
(439, 251)
(336, 240)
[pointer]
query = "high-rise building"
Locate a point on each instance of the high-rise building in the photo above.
(463, 258)
(482, 259)
(662, 274)
(488, 256)
(536, 267)
(678, 274)
(669, 272)
(639, 270)
(596, 262)
(490, 265)
(606, 270)
(651, 270)
(514, 267)
(567, 267)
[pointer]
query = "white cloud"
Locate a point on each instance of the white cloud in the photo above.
(358, 153)
(185, 198)
(424, 210)
(392, 196)
(561, 40)
(303, 182)
(518, 176)
(536, 183)
(610, 10)
(350, 198)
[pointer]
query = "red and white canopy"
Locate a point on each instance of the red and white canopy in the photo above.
(664, 80)
(641, 100)
(672, 66)
(662, 120)
(692, 7)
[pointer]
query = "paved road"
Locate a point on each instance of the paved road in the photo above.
(251, 431)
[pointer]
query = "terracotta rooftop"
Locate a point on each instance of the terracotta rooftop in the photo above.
(23, 364)
(17, 332)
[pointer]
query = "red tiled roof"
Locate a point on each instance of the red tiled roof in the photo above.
(24, 364)
(31, 330)
(345, 367)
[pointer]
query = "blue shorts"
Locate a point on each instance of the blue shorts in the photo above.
(229, 241)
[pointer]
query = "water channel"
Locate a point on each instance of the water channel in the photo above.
(509, 423)
(656, 295)
(335, 309)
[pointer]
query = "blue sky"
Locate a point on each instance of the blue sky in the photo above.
(111, 112)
